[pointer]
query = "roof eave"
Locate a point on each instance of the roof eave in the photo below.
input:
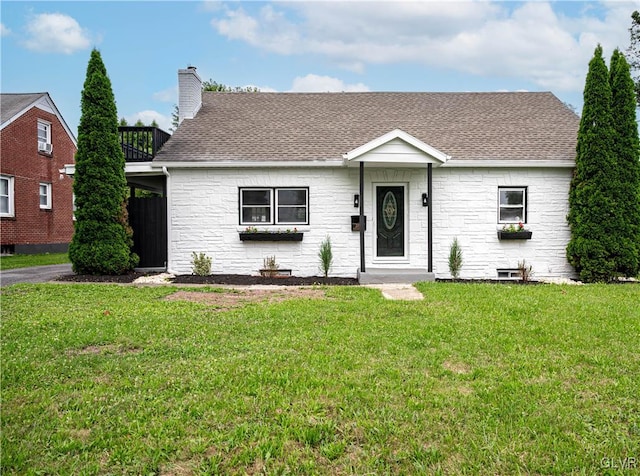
(225, 164)
(510, 163)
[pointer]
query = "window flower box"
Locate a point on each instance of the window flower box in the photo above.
(514, 235)
(270, 236)
(514, 232)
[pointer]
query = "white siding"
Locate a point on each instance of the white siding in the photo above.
(204, 216)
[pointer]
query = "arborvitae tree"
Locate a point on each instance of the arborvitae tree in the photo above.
(592, 209)
(626, 179)
(102, 240)
(633, 52)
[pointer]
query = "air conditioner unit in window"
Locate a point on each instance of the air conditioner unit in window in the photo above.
(45, 147)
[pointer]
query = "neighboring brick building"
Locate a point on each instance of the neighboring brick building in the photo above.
(36, 199)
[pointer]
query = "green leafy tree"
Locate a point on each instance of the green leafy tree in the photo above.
(592, 208)
(626, 177)
(214, 86)
(102, 240)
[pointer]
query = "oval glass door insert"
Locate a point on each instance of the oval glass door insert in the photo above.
(389, 210)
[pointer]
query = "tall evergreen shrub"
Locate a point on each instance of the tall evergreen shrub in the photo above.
(593, 217)
(102, 240)
(627, 166)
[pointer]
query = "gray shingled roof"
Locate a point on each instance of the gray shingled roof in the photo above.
(324, 126)
(11, 104)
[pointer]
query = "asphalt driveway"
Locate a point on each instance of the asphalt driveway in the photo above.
(36, 274)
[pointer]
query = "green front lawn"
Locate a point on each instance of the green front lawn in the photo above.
(476, 379)
(25, 261)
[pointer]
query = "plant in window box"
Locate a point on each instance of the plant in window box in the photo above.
(513, 231)
(251, 233)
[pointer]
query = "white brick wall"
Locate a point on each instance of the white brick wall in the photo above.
(189, 93)
(465, 205)
(204, 217)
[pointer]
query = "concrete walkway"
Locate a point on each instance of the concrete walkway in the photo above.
(35, 274)
(398, 292)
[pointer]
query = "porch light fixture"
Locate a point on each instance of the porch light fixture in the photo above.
(356, 200)
(425, 200)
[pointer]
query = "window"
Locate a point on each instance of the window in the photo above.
(279, 206)
(44, 137)
(508, 273)
(512, 204)
(45, 196)
(6, 196)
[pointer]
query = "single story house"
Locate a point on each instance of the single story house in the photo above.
(248, 176)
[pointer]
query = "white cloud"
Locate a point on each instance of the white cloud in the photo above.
(271, 30)
(314, 83)
(4, 31)
(148, 116)
(267, 89)
(525, 40)
(167, 95)
(56, 33)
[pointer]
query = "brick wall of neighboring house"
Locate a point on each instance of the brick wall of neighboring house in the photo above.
(33, 229)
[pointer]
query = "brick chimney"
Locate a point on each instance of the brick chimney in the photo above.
(189, 93)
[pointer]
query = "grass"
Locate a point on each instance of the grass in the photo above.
(25, 261)
(475, 379)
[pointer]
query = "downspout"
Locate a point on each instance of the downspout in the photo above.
(361, 218)
(166, 195)
(429, 220)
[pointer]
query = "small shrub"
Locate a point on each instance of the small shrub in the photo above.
(455, 259)
(525, 271)
(201, 264)
(326, 256)
(270, 267)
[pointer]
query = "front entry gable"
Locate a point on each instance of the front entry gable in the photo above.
(396, 148)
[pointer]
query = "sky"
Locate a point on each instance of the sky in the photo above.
(304, 46)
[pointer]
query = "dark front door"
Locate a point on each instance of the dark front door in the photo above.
(148, 219)
(389, 220)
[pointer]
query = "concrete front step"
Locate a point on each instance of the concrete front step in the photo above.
(394, 276)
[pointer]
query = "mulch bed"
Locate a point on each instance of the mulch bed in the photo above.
(232, 279)
(90, 278)
(240, 279)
